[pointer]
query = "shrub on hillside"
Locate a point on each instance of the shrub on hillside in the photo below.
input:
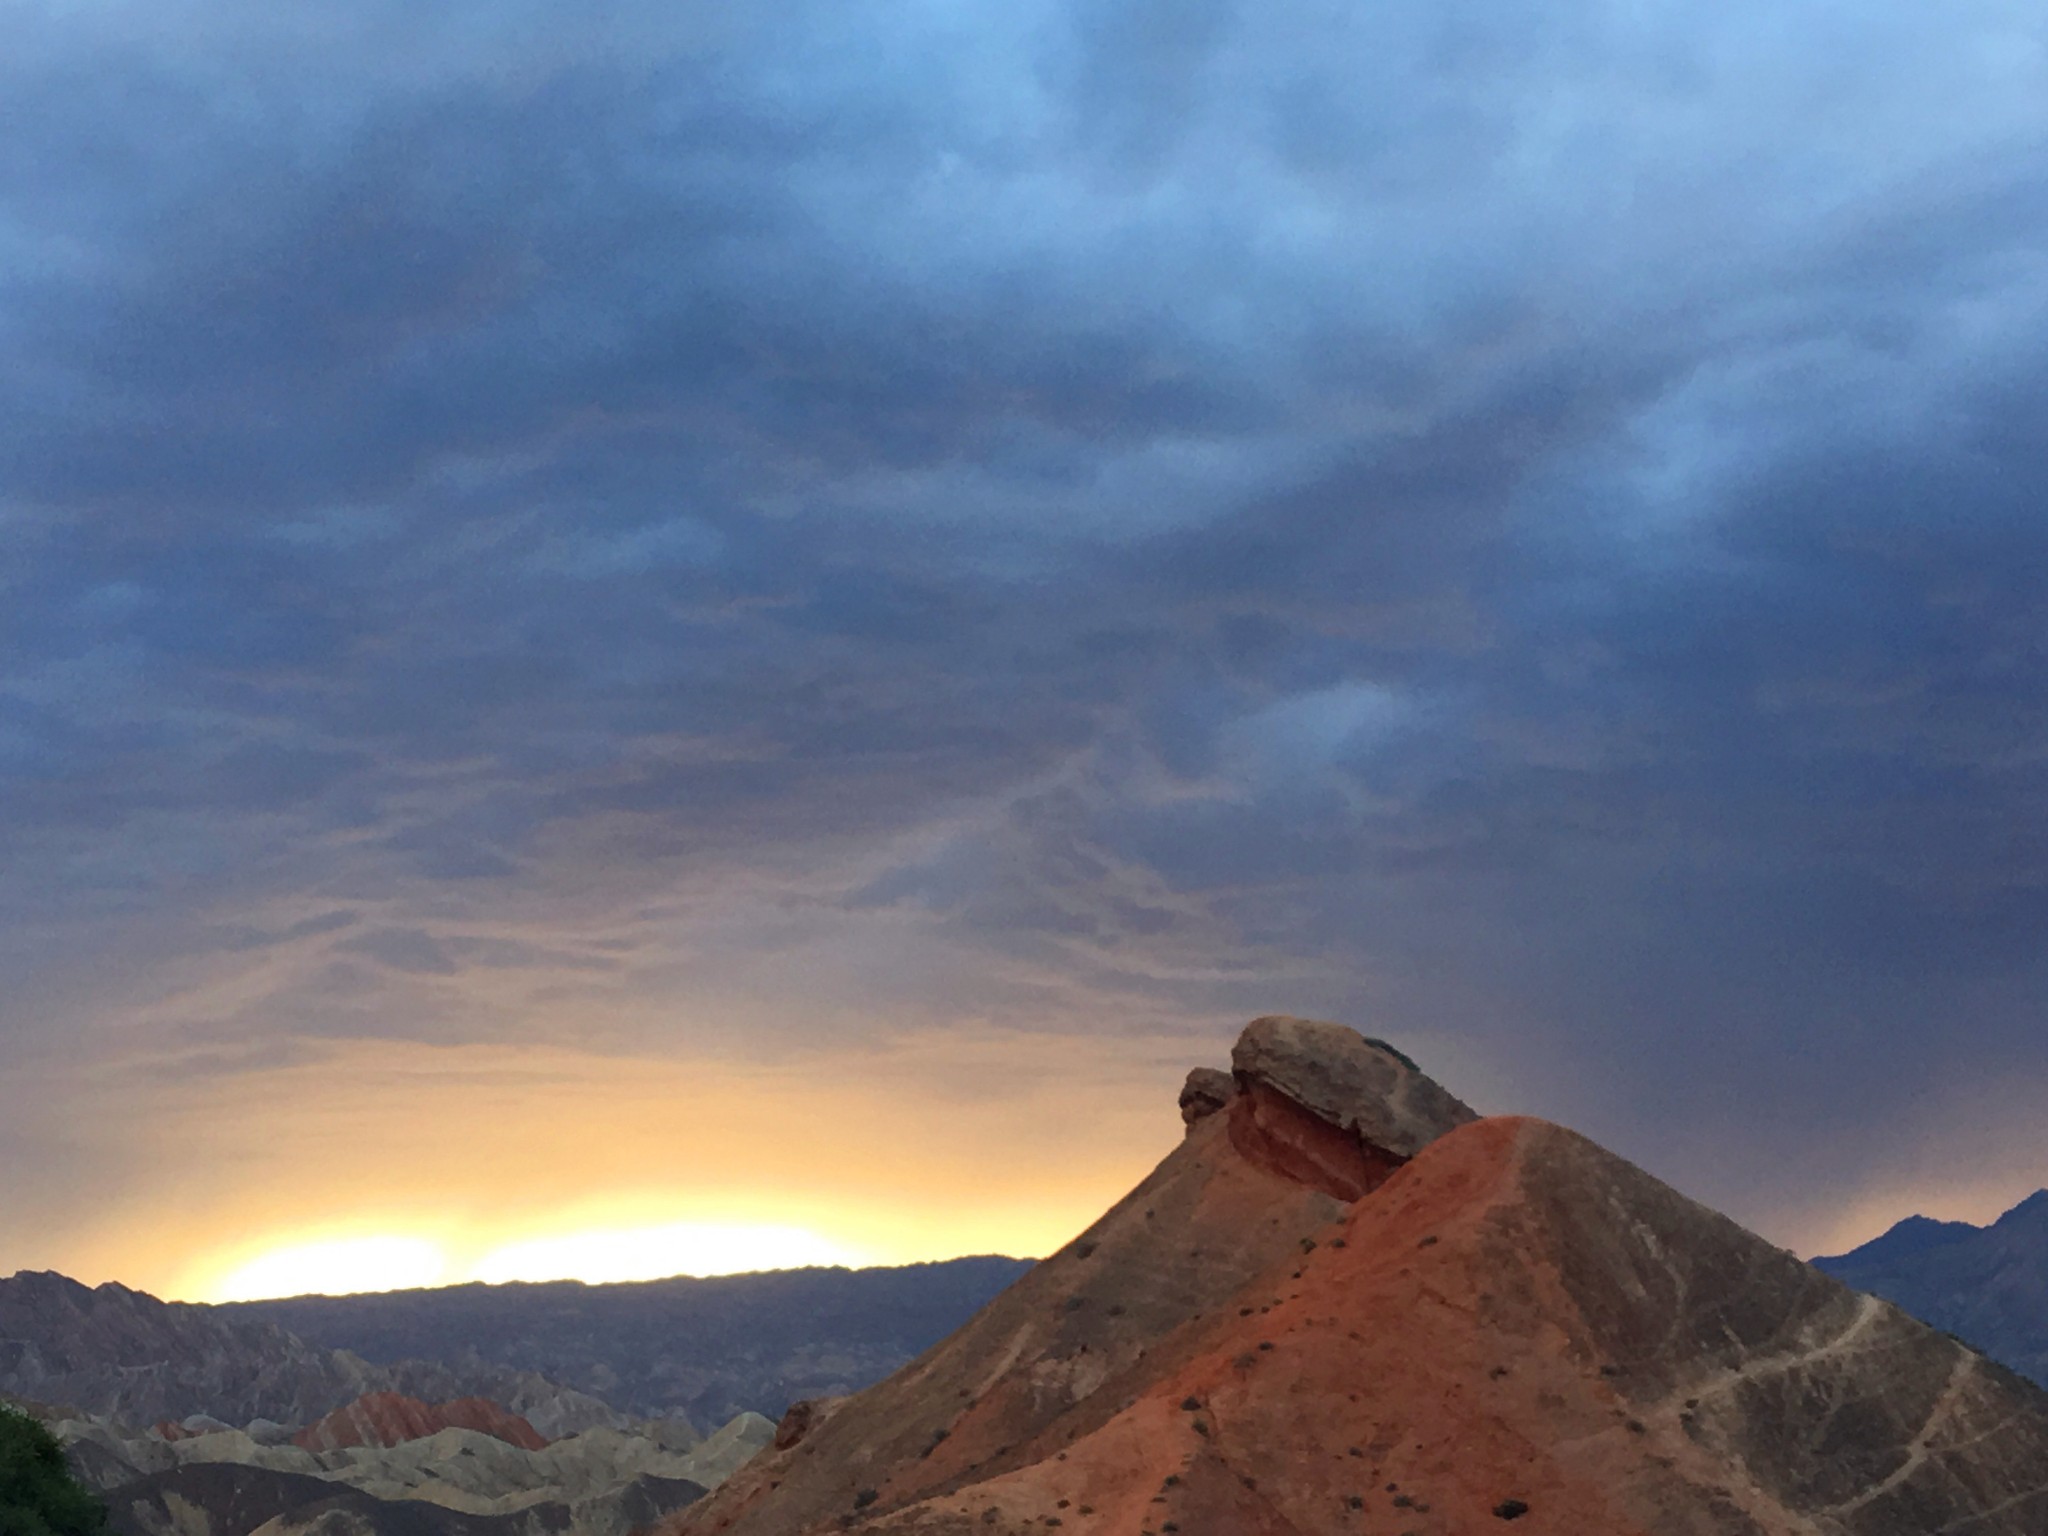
(38, 1495)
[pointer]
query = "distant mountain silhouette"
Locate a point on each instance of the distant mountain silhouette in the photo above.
(122, 1354)
(707, 1349)
(1986, 1285)
(1343, 1304)
(182, 1416)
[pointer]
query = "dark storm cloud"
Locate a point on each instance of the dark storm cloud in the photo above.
(1504, 521)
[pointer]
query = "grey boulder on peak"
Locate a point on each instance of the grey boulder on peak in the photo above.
(1338, 1075)
(1206, 1091)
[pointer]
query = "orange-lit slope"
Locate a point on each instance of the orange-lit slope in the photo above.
(1395, 1378)
(1514, 1328)
(1069, 1343)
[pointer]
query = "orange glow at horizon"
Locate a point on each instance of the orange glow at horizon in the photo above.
(337, 1267)
(345, 1266)
(386, 1166)
(651, 1253)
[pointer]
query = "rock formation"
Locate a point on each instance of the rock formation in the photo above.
(1340, 1077)
(1345, 1304)
(1987, 1285)
(453, 1482)
(1206, 1091)
(390, 1418)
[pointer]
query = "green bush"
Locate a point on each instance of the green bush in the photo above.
(38, 1495)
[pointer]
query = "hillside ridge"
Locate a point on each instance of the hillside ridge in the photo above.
(1317, 1315)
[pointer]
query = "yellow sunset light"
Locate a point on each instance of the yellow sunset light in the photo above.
(337, 1267)
(651, 1253)
(358, 1168)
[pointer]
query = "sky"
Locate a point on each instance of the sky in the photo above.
(658, 637)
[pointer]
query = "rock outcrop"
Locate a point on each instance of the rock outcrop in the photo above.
(1503, 1323)
(1241, 1195)
(386, 1419)
(1340, 1077)
(1205, 1092)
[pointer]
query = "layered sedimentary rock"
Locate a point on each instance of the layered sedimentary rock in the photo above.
(1340, 1077)
(391, 1418)
(603, 1482)
(1345, 1304)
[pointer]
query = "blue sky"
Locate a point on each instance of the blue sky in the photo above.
(716, 534)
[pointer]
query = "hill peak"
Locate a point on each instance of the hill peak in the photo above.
(1346, 1301)
(2031, 1211)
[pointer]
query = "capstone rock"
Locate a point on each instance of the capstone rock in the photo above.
(1206, 1091)
(1361, 1085)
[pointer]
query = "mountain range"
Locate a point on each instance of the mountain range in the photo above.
(116, 1353)
(192, 1420)
(706, 1348)
(1342, 1303)
(1986, 1285)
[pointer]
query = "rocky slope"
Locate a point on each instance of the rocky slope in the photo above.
(234, 1499)
(122, 1354)
(704, 1348)
(1343, 1304)
(226, 1482)
(1987, 1285)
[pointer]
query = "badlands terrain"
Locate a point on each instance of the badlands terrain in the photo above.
(1342, 1303)
(216, 1421)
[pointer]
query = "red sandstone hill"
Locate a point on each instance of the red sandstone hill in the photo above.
(1343, 1305)
(390, 1418)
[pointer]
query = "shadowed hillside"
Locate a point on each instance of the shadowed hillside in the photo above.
(1986, 1285)
(705, 1348)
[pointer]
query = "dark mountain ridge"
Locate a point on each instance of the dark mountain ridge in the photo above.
(704, 1348)
(122, 1354)
(565, 1355)
(1986, 1285)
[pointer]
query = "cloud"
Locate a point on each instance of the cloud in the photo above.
(704, 533)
